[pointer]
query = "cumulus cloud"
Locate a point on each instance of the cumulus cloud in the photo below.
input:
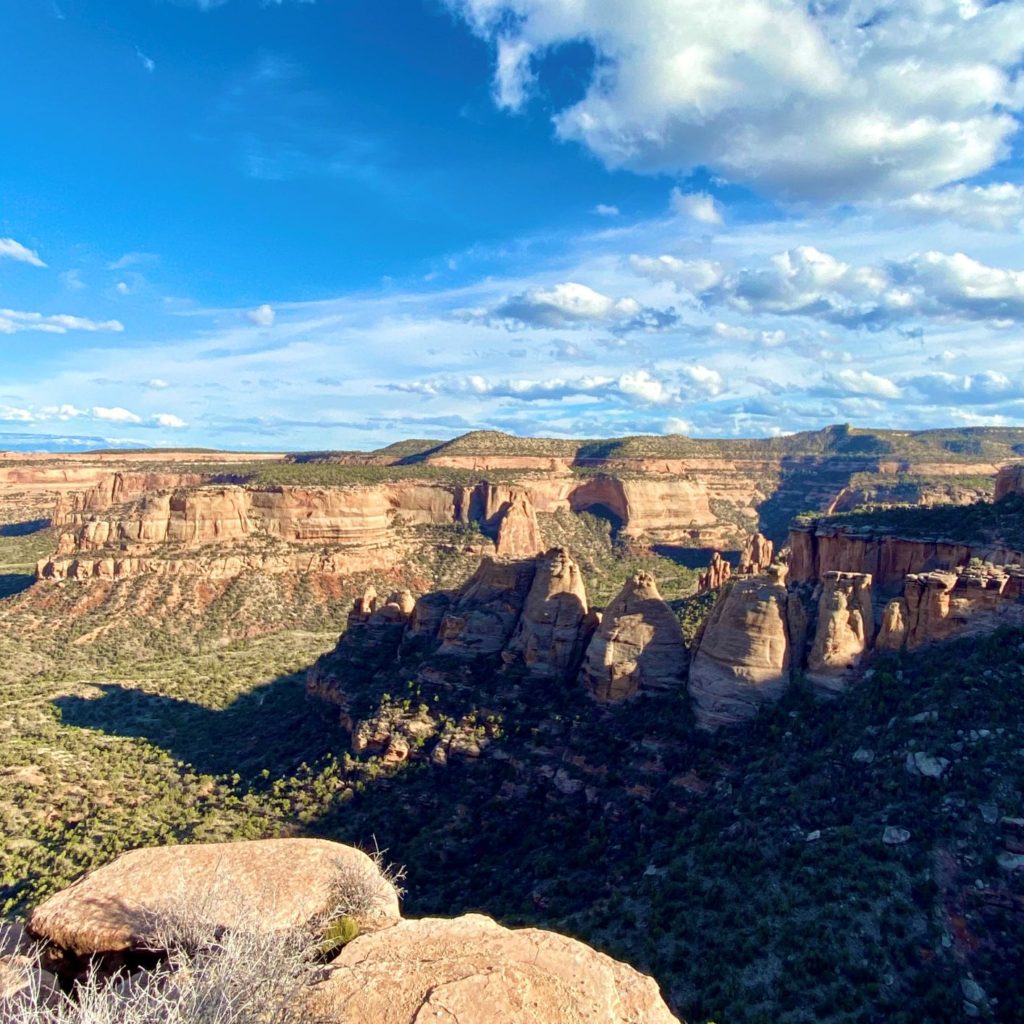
(12, 250)
(168, 419)
(692, 276)
(804, 281)
(572, 305)
(115, 414)
(848, 100)
(998, 207)
(604, 210)
(982, 388)
(861, 382)
(13, 320)
(638, 387)
(699, 206)
(262, 316)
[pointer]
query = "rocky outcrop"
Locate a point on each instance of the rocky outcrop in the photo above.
(118, 489)
(941, 605)
(817, 548)
(718, 572)
(481, 619)
(518, 531)
(473, 970)
(638, 646)
(757, 555)
(745, 654)
(844, 632)
(1009, 480)
(555, 626)
(271, 884)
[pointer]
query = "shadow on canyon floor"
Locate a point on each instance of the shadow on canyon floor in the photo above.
(12, 583)
(270, 727)
(23, 529)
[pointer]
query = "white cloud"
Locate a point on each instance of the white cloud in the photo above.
(848, 100)
(72, 280)
(699, 206)
(123, 288)
(133, 259)
(262, 316)
(147, 62)
(604, 210)
(689, 275)
(13, 320)
(12, 250)
(675, 425)
(998, 207)
(861, 382)
(157, 382)
(115, 414)
(571, 305)
(805, 281)
(167, 419)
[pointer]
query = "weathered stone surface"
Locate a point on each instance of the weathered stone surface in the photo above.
(638, 647)
(486, 610)
(922, 763)
(892, 634)
(472, 970)
(552, 632)
(757, 555)
(844, 632)
(24, 984)
(269, 883)
(1009, 480)
(895, 836)
(518, 531)
(744, 655)
(718, 572)
(968, 600)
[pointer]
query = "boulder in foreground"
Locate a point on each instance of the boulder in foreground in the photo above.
(270, 883)
(473, 970)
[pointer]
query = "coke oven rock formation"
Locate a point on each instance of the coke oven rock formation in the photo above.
(746, 653)
(638, 646)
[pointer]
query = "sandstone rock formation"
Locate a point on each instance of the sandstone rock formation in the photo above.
(845, 629)
(817, 548)
(471, 969)
(486, 610)
(1009, 480)
(718, 572)
(743, 659)
(757, 555)
(941, 605)
(270, 883)
(554, 628)
(518, 531)
(638, 647)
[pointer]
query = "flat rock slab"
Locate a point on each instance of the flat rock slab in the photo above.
(471, 969)
(270, 884)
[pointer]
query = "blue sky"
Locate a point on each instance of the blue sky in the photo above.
(299, 224)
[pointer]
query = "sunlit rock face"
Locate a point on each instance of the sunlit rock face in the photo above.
(844, 632)
(744, 657)
(638, 647)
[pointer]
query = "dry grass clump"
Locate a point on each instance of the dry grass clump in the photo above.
(211, 975)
